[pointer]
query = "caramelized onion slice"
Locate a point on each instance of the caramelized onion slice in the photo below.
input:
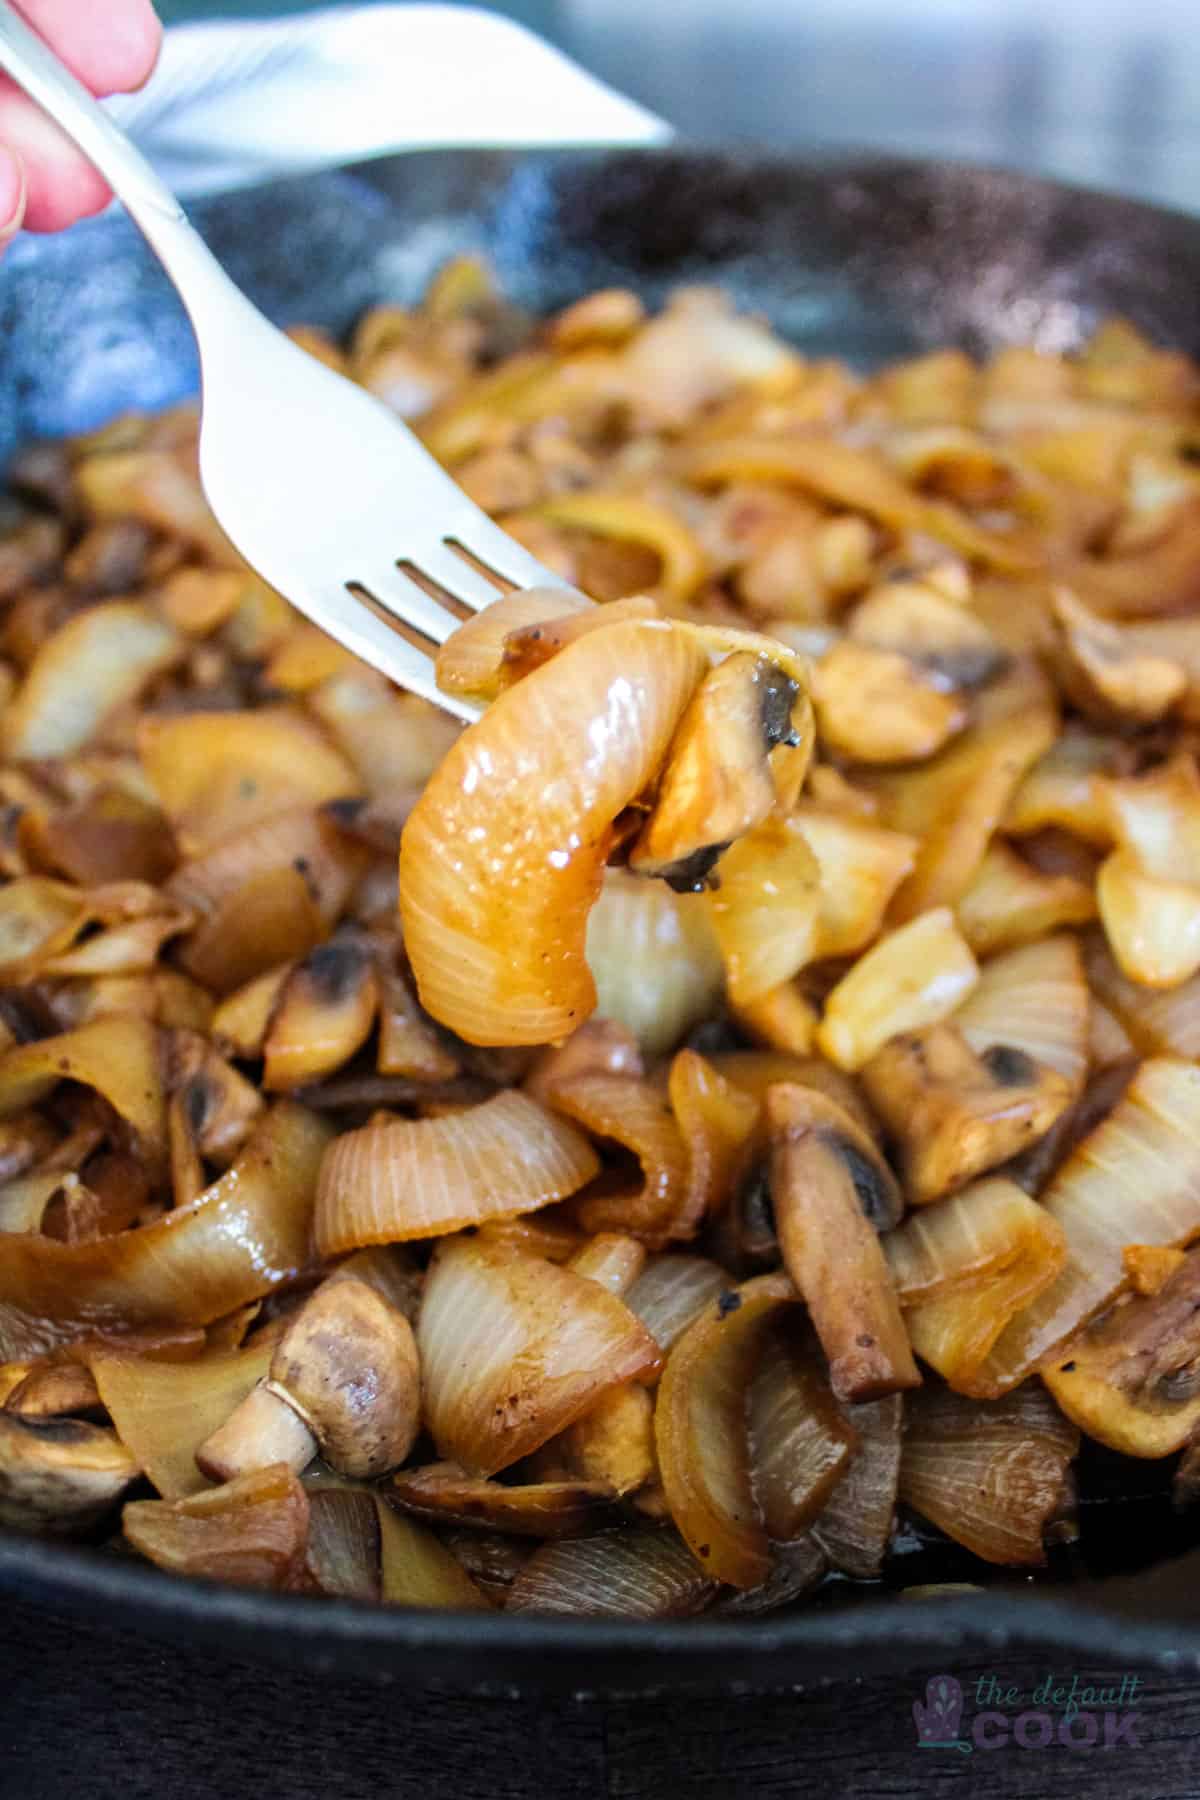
(954, 1332)
(543, 1509)
(612, 1258)
(342, 1555)
(701, 1435)
(860, 866)
(245, 1235)
(717, 1121)
(942, 1248)
(1035, 1000)
(165, 1410)
(801, 1441)
(796, 1569)
(251, 1532)
(90, 666)
(990, 1476)
(654, 959)
(637, 1116)
(474, 660)
(673, 1290)
(638, 1573)
(856, 1523)
(911, 978)
(217, 774)
(1134, 1179)
(419, 1178)
(513, 1349)
(502, 858)
(419, 1571)
(118, 1056)
(1010, 902)
(766, 910)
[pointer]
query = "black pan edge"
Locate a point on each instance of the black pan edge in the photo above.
(866, 255)
(508, 1655)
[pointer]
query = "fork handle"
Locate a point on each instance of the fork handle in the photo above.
(34, 67)
(202, 282)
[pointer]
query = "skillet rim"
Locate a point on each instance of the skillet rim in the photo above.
(478, 1652)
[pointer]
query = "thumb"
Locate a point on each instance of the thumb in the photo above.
(12, 194)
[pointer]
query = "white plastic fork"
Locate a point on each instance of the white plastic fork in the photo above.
(324, 492)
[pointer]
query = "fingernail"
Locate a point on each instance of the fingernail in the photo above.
(12, 192)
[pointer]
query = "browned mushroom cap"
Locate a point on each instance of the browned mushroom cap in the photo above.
(344, 1378)
(53, 1388)
(58, 1475)
(1132, 1379)
(718, 783)
(833, 1192)
(954, 1114)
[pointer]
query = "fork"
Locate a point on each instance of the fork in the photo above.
(321, 489)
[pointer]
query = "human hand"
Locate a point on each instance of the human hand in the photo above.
(45, 184)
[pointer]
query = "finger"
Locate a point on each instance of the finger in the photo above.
(12, 194)
(112, 48)
(61, 185)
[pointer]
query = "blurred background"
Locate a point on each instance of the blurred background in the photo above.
(1105, 92)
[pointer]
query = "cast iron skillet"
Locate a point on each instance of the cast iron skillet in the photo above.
(866, 258)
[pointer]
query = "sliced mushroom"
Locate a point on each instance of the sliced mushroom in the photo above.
(442, 1492)
(945, 640)
(1109, 678)
(53, 1389)
(324, 1013)
(955, 1114)
(343, 1380)
(833, 1193)
(59, 1475)
(876, 706)
(717, 784)
(218, 1105)
(1132, 1379)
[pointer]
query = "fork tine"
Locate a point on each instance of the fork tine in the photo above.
(467, 584)
(370, 638)
(484, 539)
(400, 594)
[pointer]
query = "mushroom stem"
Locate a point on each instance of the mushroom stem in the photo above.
(824, 1173)
(261, 1430)
(343, 1380)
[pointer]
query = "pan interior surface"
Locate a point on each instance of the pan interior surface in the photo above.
(863, 258)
